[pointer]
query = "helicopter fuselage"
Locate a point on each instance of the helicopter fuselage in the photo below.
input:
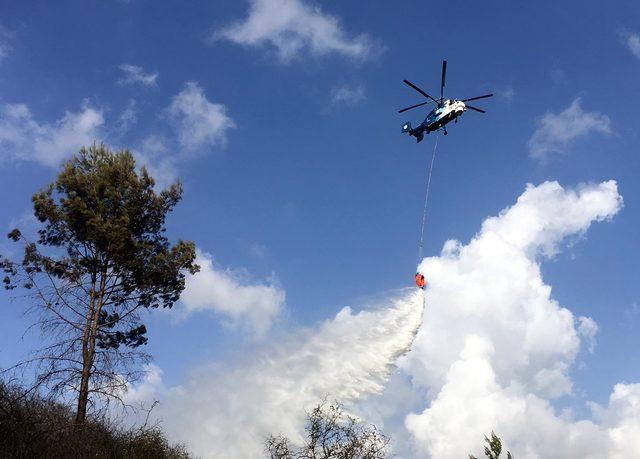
(441, 116)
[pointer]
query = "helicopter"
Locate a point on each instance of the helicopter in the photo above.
(447, 110)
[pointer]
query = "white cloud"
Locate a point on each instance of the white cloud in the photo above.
(292, 26)
(128, 116)
(150, 386)
(227, 412)
(508, 94)
(493, 285)
(633, 43)
(588, 328)
(225, 292)
(23, 138)
(496, 348)
(153, 153)
(347, 95)
(6, 36)
(199, 122)
(134, 74)
(472, 402)
(555, 132)
(622, 420)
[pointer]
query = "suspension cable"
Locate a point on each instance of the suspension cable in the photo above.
(426, 200)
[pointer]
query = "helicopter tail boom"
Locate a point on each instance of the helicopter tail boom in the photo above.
(417, 133)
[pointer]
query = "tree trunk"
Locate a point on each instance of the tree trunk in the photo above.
(89, 348)
(87, 362)
(83, 396)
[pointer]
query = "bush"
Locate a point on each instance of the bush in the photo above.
(34, 426)
(332, 434)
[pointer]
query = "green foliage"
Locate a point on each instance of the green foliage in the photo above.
(493, 448)
(332, 435)
(32, 426)
(101, 256)
(106, 216)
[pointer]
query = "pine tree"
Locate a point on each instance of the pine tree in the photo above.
(100, 258)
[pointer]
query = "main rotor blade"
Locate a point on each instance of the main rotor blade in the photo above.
(444, 76)
(419, 90)
(414, 106)
(479, 97)
(475, 108)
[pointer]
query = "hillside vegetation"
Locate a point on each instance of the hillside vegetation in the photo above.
(33, 426)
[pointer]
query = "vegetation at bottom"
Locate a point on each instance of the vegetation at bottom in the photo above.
(33, 426)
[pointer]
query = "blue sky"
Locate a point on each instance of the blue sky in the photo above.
(286, 137)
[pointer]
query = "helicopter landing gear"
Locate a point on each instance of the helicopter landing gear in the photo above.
(445, 132)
